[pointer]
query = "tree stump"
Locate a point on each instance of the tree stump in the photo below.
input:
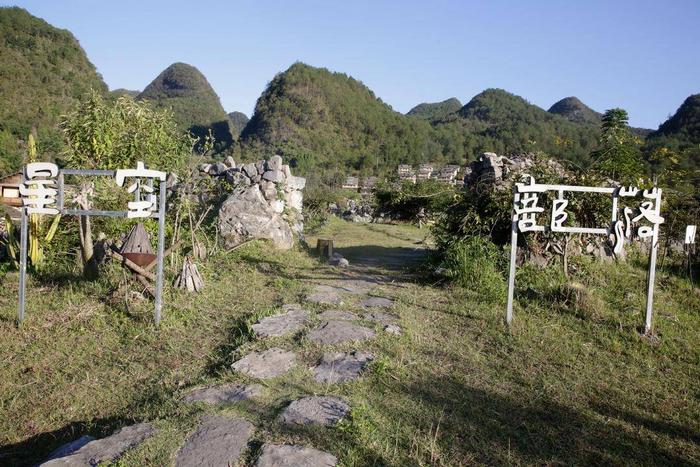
(189, 278)
(324, 247)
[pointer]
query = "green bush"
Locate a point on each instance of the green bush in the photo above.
(409, 201)
(477, 265)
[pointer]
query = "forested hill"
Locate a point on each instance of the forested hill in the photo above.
(505, 123)
(43, 73)
(330, 120)
(196, 107)
(239, 120)
(684, 125)
(435, 110)
(572, 109)
(681, 134)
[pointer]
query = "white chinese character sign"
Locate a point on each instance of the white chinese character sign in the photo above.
(646, 217)
(43, 192)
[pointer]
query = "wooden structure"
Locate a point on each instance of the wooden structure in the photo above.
(137, 246)
(324, 247)
(9, 190)
(189, 279)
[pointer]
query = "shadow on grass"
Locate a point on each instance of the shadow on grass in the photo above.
(37, 448)
(480, 426)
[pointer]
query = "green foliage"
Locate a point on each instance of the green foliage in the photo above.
(618, 155)
(572, 109)
(105, 134)
(329, 121)
(680, 136)
(239, 121)
(477, 265)
(44, 73)
(409, 201)
(435, 110)
(507, 124)
(185, 91)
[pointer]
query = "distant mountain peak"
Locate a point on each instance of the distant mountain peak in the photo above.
(196, 106)
(435, 110)
(572, 109)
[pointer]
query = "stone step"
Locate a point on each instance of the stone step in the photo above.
(217, 441)
(315, 410)
(284, 455)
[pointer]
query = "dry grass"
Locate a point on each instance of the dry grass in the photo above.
(565, 386)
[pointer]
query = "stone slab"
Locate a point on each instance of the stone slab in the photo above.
(326, 295)
(278, 455)
(70, 447)
(267, 364)
(223, 394)
(278, 325)
(315, 410)
(381, 317)
(106, 449)
(217, 441)
(339, 367)
(338, 332)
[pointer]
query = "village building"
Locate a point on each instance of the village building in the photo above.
(351, 183)
(425, 171)
(448, 174)
(406, 172)
(368, 184)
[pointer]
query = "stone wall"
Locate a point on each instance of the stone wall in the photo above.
(265, 202)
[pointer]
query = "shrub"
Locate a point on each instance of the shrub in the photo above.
(476, 264)
(409, 201)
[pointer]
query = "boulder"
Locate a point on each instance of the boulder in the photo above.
(275, 163)
(230, 162)
(296, 183)
(246, 214)
(218, 169)
(250, 170)
(260, 167)
(276, 176)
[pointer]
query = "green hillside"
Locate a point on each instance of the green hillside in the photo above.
(239, 121)
(572, 109)
(505, 123)
(435, 110)
(681, 134)
(196, 107)
(317, 118)
(43, 73)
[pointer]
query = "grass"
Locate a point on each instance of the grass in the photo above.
(573, 381)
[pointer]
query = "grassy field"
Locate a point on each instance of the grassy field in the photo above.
(573, 381)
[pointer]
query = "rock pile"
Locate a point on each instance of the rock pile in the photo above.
(266, 201)
(490, 168)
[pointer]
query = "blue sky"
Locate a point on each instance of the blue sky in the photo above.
(642, 56)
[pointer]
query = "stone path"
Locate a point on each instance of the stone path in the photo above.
(315, 410)
(339, 367)
(276, 455)
(103, 450)
(339, 332)
(293, 320)
(225, 393)
(218, 440)
(268, 364)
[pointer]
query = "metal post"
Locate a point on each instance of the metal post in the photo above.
(161, 244)
(651, 277)
(22, 264)
(513, 258)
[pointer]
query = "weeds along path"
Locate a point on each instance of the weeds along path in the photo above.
(285, 358)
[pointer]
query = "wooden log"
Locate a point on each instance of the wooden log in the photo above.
(189, 278)
(167, 252)
(131, 265)
(324, 247)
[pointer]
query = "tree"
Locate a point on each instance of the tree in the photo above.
(618, 155)
(105, 134)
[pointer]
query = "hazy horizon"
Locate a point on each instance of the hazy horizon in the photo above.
(636, 55)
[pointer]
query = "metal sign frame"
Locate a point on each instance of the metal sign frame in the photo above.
(525, 211)
(40, 197)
